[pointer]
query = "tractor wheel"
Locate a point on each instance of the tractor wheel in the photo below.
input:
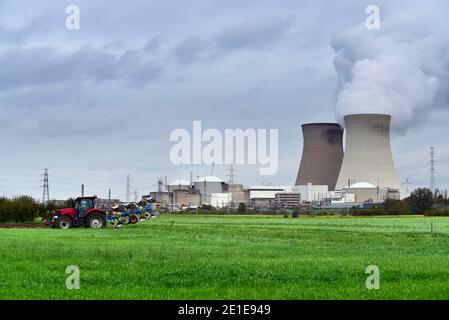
(133, 219)
(124, 219)
(64, 222)
(147, 215)
(96, 221)
(114, 222)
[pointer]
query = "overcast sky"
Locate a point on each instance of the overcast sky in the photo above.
(95, 104)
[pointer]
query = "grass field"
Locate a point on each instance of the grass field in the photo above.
(198, 257)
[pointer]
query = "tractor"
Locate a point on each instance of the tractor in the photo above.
(86, 213)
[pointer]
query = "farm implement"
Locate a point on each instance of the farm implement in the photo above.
(87, 213)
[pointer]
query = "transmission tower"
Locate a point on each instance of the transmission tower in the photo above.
(407, 184)
(160, 184)
(432, 169)
(46, 191)
(128, 189)
(231, 174)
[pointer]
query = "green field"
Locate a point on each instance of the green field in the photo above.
(229, 257)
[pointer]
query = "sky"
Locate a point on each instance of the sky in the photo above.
(96, 104)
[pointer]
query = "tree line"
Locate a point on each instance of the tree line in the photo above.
(421, 201)
(26, 209)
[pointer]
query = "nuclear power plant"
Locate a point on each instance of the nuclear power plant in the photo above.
(322, 154)
(331, 175)
(363, 172)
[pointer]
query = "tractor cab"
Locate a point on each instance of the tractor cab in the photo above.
(85, 213)
(82, 205)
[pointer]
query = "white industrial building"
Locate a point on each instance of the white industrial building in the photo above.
(312, 193)
(367, 192)
(221, 200)
(208, 185)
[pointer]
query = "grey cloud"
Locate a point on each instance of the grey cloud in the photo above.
(191, 48)
(260, 34)
(19, 35)
(45, 65)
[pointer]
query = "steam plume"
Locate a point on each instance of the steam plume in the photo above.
(401, 69)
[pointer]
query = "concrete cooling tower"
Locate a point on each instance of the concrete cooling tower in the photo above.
(368, 155)
(322, 154)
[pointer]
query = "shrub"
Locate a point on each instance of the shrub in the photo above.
(5, 210)
(242, 207)
(374, 211)
(18, 209)
(437, 213)
(397, 207)
(295, 214)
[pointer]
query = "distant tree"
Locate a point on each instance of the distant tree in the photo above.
(397, 207)
(242, 207)
(421, 200)
(69, 203)
(23, 209)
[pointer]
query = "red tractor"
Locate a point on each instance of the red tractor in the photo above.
(85, 214)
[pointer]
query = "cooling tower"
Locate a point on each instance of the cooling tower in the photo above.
(322, 154)
(368, 155)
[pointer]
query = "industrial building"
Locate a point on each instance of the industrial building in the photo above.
(368, 156)
(238, 194)
(311, 192)
(206, 186)
(264, 196)
(163, 197)
(367, 192)
(287, 200)
(186, 198)
(322, 154)
(179, 185)
(221, 200)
